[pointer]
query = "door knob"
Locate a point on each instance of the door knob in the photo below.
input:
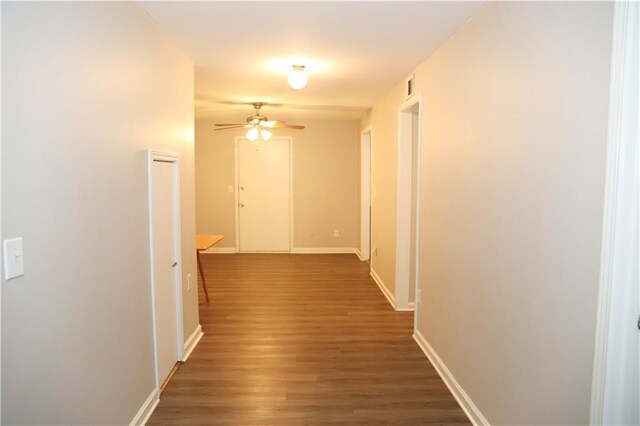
(242, 188)
(241, 204)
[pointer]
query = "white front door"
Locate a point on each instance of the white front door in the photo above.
(164, 265)
(264, 198)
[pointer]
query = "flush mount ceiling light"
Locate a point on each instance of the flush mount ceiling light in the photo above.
(297, 77)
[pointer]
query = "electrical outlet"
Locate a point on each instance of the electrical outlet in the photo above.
(336, 232)
(375, 250)
(188, 282)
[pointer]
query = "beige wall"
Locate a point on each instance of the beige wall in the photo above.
(384, 160)
(512, 192)
(326, 182)
(86, 88)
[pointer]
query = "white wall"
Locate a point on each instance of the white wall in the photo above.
(326, 181)
(86, 88)
(515, 128)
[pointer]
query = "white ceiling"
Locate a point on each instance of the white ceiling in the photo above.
(354, 51)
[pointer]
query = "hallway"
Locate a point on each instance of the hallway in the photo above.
(302, 339)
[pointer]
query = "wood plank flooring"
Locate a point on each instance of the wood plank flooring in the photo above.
(302, 339)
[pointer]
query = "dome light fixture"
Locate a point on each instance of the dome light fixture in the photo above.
(255, 132)
(297, 77)
(265, 134)
(252, 134)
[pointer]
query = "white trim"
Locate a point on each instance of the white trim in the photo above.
(411, 307)
(465, 402)
(366, 138)
(148, 407)
(236, 184)
(170, 157)
(324, 250)
(192, 342)
(611, 401)
(383, 288)
(403, 211)
(290, 191)
(220, 250)
(360, 255)
(1, 254)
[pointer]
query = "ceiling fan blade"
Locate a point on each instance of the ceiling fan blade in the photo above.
(271, 123)
(287, 126)
(280, 125)
(233, 124)
(238, 126)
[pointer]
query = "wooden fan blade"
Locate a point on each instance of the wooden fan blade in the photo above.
(233, 124)
(243, 126)
(271, 123)
(280, 125)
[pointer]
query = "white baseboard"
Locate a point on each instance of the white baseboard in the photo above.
(410, 307)
(324, 250)
(303, 250)
(192, 342)
(383, 288)
(467, 405)
(359, 254)
(219, 250)
(147, 409)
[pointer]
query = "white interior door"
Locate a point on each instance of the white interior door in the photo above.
(165, 262)
(365, 195)
(264, 195)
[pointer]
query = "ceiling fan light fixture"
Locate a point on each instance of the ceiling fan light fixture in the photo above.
(252, 134)
(297, 77)
(265, 134)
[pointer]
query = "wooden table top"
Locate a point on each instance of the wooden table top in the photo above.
(204, 241)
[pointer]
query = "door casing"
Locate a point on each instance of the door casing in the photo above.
(167, 157)
(366, 212)
(404, 209)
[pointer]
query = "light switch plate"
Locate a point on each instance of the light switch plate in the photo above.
(188, 282)
(13, 258)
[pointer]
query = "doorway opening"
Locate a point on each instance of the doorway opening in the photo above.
(408, 208)
(364, 252)
(165, 262)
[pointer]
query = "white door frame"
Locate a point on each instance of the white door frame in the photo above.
(236, 188)
(611, 401)
(167, 157)
(403, 216)
(366, 212)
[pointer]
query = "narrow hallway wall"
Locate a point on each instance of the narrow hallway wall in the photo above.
(515, 127)
(87, 87)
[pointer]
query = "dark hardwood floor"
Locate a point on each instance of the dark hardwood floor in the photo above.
(302, 339)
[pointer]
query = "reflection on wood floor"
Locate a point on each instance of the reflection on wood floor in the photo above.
(302, 339)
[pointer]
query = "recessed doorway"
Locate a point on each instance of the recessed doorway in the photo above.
(364, 252)
(165, 260)
(408, 207)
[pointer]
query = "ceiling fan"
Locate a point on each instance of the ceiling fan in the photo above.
(258, 125)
